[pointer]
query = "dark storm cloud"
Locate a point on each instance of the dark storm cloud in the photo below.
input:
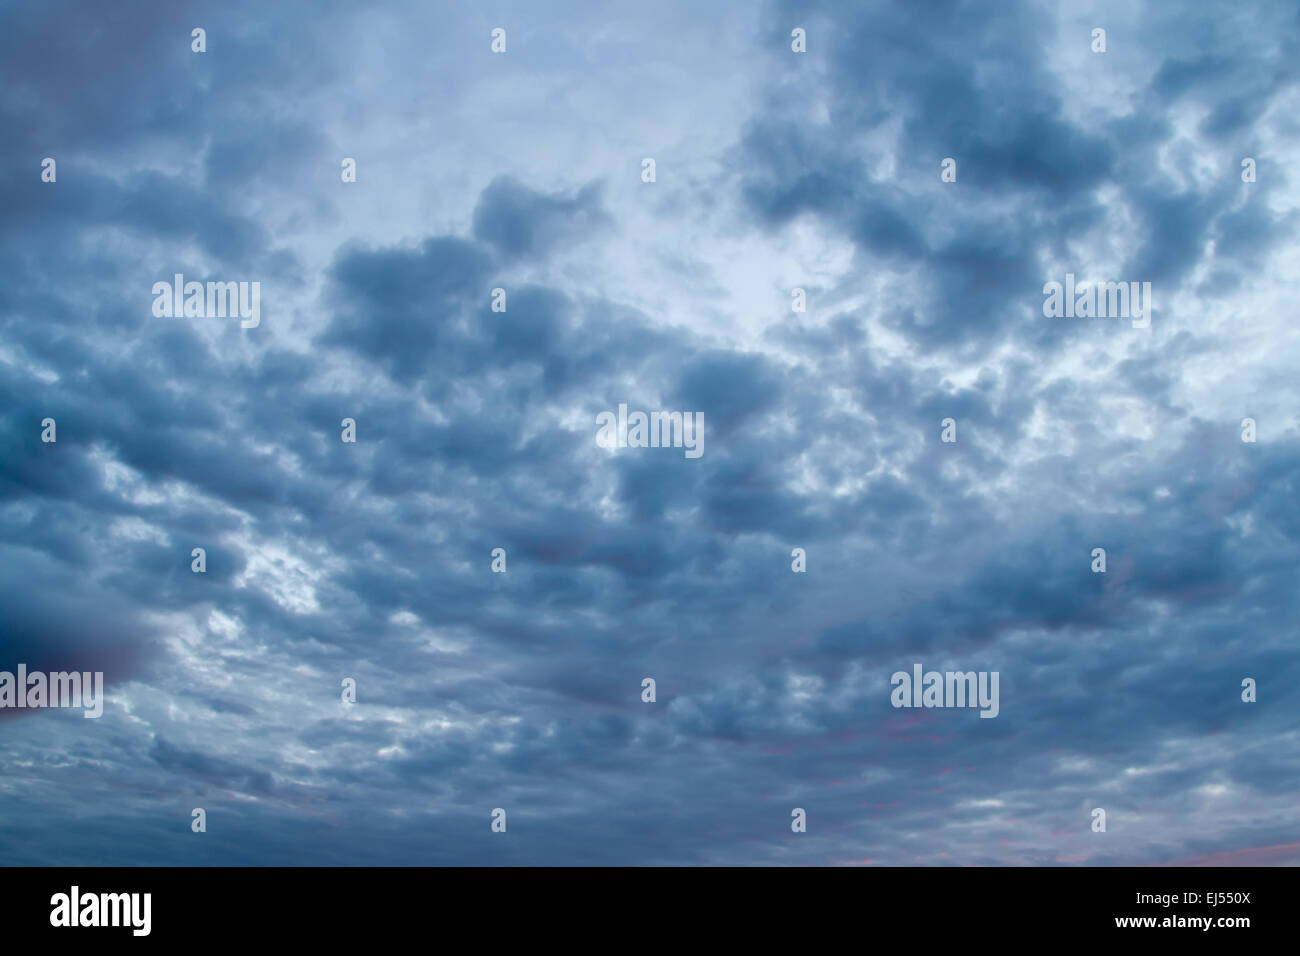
(517, 220)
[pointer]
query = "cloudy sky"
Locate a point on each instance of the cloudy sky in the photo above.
(476, 430)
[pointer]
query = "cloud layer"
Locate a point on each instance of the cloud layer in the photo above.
(476, 430)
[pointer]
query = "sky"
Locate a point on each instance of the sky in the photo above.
(522, 690)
